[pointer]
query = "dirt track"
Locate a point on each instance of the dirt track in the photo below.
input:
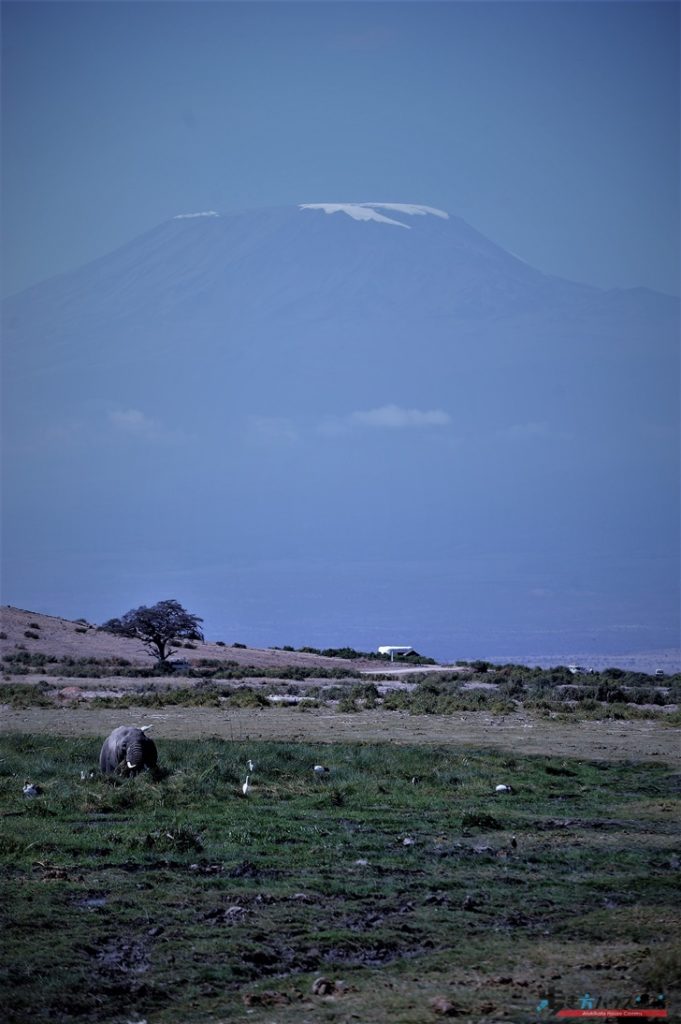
(641, 740)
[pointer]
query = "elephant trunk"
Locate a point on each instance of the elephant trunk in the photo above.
(134, 755)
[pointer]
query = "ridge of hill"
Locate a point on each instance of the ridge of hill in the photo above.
(37, 632)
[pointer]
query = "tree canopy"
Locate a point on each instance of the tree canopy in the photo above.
(158, 627)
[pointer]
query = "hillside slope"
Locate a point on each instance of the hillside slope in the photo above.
(63, 638)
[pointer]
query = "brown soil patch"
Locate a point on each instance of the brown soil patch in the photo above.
(636, 740)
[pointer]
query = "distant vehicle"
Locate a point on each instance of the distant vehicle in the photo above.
(577, 670)
(180, 665)
(659, 672)
(392, 651)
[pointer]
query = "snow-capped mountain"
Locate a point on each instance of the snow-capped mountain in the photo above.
(348, 385)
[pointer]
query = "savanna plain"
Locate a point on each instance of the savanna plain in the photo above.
(396, 886)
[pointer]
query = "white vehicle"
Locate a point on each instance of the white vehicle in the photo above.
(392, 651)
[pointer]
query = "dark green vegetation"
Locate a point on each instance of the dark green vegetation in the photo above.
(556, 692)
(349, 653)
(25, 662)
(177, 899)
(609, 694)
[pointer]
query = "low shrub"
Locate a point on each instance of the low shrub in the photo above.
(180, 839)
(21, 695)
(347, 705)
(245, 697)
(661, 971)
(479, 819)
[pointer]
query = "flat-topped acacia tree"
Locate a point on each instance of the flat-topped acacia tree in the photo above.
(158, 627)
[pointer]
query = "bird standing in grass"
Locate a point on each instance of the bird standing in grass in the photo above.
(250, 765)
(320, 769)
(31, 790)
(245, 788)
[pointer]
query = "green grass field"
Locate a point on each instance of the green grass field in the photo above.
(179, 900)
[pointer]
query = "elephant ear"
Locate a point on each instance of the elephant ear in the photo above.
(112, 755)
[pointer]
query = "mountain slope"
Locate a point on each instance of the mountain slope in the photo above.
(335, 417)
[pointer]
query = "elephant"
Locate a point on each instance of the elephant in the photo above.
(127, 750)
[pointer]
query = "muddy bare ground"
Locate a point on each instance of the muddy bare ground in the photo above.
(635, 740)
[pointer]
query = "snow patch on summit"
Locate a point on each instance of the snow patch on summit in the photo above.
(411, 208)
(370, 211)
(204, 213)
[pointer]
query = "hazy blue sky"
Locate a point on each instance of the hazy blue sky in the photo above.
(540, 449)
(551, 127)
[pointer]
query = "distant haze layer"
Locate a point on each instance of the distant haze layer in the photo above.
(347, 422)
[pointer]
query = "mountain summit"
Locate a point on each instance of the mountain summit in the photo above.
(372, 211)
(332, 262)
(368, 415)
